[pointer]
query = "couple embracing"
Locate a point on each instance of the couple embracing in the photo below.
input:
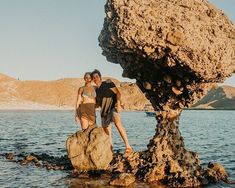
(106, 96)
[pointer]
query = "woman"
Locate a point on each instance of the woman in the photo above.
(85, 104)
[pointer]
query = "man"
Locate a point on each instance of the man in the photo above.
(108, 98)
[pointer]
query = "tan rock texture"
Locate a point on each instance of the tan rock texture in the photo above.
(124, 179)
(90, 149)
(216, 172)
(175, 50)
(191, 43)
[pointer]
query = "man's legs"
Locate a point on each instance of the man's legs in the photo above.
(107, 129)
(121, 130)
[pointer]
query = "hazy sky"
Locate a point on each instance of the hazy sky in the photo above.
(52, 39)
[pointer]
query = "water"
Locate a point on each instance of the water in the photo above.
(210, 133)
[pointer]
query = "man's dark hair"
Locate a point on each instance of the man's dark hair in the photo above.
(95, 72)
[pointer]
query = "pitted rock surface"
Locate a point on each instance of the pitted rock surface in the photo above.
(176, 51)
(90, 149)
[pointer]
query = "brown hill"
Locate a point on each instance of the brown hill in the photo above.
(8, 87)
(218, 98)
(132, 97)
(4, 78)
(57, 94)
(60, 94)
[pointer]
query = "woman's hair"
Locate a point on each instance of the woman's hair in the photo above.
(96, 72)
(87, 73)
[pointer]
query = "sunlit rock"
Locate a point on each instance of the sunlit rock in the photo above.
(175, 50)
(89, 149)
(124, 179)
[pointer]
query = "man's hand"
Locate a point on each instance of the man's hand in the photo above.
(77, 119)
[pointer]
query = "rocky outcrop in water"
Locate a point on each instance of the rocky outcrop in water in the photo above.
(124, 179)
(90, 149)
(175, 50)
(40, 160)
(166, 160)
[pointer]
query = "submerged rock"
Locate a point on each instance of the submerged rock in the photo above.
(41, 160)
(10, 156)
(176, 51)
(124, 179)
(90, 149)
(216, 172)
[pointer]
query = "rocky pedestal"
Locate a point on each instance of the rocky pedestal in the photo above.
(90, 149)
(170, 162)
(176, 51)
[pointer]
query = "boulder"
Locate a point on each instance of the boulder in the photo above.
(90, 149)
(124, 179)
(216, 172)
(176, 51)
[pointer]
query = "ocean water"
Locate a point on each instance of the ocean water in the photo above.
(210, 133)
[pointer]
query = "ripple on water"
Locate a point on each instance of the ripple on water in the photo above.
(210, 133)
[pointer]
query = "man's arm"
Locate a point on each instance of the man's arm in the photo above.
(118, 94)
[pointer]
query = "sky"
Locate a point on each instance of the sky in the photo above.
(53, 39)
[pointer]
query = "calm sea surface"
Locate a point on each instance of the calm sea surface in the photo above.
(210, 133)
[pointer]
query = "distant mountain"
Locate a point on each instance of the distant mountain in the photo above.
(218, 98)
(8, 88)
(57, 94)
(62, 93)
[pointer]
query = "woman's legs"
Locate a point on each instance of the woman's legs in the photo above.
(84, 123)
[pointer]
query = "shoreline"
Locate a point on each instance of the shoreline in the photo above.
(33, 106)
(71, 109)
(28, 105)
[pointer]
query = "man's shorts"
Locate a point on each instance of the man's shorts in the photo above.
(107, 120)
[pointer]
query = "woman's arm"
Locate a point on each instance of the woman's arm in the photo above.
(79, 97)
(79, 100)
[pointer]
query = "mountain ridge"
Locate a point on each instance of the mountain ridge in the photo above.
(62, 94)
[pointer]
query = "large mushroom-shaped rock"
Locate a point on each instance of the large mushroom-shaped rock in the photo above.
(175, 50)
(90, 149)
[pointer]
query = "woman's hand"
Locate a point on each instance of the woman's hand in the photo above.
(77, 120)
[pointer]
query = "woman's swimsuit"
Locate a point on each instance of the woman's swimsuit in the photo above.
(87, 110)
(86, 94)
